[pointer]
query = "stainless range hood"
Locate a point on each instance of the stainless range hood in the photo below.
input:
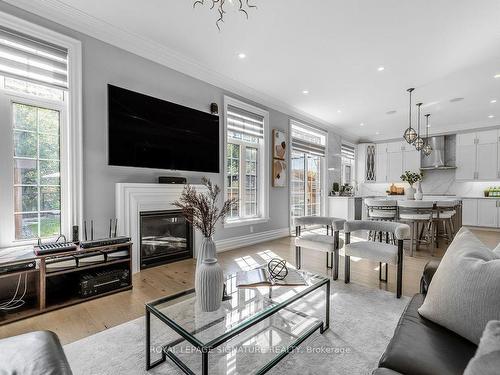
(437, 159)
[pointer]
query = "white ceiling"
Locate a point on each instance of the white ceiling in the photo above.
(333, 48)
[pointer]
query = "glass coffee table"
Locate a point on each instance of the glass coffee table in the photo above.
(278, 311)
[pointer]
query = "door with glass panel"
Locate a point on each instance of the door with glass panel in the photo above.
(37, 183)
(306, 185)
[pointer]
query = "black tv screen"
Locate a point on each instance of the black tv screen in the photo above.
(147, 132)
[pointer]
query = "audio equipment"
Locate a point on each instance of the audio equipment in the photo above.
(15, 267)
(61, 263)
(76, 234)
(101, 282)
(104, 242)
(53, 248)
(172, 180)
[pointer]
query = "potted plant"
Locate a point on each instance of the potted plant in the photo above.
(203, 212)
(411, 178)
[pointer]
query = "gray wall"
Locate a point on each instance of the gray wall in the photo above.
(103, 64)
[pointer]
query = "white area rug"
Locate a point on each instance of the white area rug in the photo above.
(362, 321)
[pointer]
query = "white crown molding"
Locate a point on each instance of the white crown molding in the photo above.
(73, 18)
(250, 239)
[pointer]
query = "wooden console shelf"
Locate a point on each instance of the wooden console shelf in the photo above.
(51, 290)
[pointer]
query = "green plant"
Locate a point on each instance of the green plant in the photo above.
(411, 177)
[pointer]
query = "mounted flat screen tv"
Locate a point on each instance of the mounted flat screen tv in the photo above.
(152, 133)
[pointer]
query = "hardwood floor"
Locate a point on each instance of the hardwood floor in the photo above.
(75, 322)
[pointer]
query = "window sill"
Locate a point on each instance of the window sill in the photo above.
(243, 222)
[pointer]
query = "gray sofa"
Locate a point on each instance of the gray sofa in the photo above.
(33, 353)
(421, 347)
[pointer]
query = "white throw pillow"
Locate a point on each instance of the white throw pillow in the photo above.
(486, 361)
(464, 294)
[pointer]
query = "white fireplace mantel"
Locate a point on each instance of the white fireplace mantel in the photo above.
(134, 198)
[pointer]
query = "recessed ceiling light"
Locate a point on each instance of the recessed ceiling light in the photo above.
(493, 101)
(339, 111)
(377, 133)
(381, 69)
(391, 112)
(491, 116)
(305, 92)
(454, 100)
(241, 55)
(497, 76)
(362, 124)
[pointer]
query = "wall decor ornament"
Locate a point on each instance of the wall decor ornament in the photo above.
(279, 144)
(243, 6)
(279, 173)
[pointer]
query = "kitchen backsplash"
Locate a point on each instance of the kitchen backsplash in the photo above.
(436, 182)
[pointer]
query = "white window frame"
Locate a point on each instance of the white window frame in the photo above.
(323, 169)
(71, 136)
(262, 166)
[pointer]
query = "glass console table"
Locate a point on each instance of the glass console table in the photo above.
(250, 312)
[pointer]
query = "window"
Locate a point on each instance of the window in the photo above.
(307, 170)
(40, 124)
(348, 162)
(245, 161)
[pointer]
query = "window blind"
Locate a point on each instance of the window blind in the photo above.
(307, 139)
(34, 60)
(243, 122)
(347, 152)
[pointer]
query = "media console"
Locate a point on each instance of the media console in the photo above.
(63, 279)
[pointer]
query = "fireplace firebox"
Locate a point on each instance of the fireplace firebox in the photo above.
(165, 237)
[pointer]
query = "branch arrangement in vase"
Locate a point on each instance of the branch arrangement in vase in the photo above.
(201, 209)
(411, 177)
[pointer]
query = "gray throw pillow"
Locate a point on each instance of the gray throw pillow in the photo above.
(496, 250)
(486, 361)
(464, 294)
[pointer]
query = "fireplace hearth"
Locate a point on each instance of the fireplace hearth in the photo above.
(165, 237)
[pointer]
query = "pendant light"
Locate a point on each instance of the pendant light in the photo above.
(427, 148)
(419, 142)
(410, 134)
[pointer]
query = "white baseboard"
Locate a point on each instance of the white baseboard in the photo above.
(486, 229)
(251, 239)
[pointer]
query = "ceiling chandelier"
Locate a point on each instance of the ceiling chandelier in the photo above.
(410, 134)
(419, 142)
(427, 150)
(244, 6)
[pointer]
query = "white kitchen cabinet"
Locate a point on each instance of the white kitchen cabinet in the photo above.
(381, 165)
(394, 166)
(365, 162)
(469, 212)
(477, 156)
(487, 213)
(411, 160)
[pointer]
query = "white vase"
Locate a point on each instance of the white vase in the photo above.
(419, 194)
(209, 285)
(207, 250)
(410, 193)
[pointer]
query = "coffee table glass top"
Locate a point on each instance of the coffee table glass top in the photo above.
(246, 306)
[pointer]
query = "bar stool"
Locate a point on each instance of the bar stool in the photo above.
(444, 213)
(415, 213)
(381, 210)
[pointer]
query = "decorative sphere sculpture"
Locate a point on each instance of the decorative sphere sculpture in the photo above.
(277, 268)
(410, 135)
(419, 143)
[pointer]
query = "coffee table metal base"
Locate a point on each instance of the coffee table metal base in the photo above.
(205, 349)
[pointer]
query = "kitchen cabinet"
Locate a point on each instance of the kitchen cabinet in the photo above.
(478, 156)
(394, 166)
(401, 157)
(488, 211)
(382, 162)
(469, 212)
(411, 160)
(366, 160)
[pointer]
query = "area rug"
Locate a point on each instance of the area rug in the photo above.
(362, 321)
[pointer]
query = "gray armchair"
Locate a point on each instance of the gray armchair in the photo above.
(384, 253)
